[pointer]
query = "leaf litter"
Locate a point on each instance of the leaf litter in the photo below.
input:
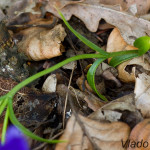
(95, 124)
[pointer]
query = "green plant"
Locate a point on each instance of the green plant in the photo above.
(117, 58)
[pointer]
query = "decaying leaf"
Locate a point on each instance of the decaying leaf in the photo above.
(105, 135)
(40, 43)
(93, 102)
(50, 83)
(142, 6)
(139, 6)
(62, 3)
(23, 6)
(108, 75)
(122, 109)
(88, 11)
(112, 110)
(142, 94)
(116, 43)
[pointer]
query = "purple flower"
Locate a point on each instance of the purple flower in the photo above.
(15, 140)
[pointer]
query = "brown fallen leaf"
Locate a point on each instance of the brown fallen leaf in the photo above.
(142, 6)
(105, 135)
(142, 94)
(139, 137)
(93, 102)
(40, 43)
(139, 6)
(81, 100)
(88, 11)
(108, 75)
(62, 3)
(116, 43)
(121, 109)
(24, 6)
(113, 110)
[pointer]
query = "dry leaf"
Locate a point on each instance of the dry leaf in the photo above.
(62, 3)
(113, 110)
(107, 75)
(142, 7)
(116, 43)
(93, 102)
(120, 109)
(50, 83)
(88, 11)
(105, 135)
(142, 94)
(40, 43)
(139, 137)
(24, 6)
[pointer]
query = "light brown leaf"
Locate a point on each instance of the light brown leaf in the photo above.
(105, 135)
(142, 7)
(142, 94)
(39, 43)
(139, 137)
(113, 110)
(88, 11)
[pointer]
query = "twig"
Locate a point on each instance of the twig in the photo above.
(66, 99)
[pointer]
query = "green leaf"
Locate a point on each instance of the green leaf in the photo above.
(91, 77)
(124, 52)
(3, 105)
(5, 123)
(115, 61)
(83, 39)
(25, 130)
(143, 44)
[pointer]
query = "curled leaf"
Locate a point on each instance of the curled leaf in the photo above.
(39, 43)
(91, 77)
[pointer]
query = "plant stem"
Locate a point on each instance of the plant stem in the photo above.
(44, 72)
(5, 126)
(3, 105)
